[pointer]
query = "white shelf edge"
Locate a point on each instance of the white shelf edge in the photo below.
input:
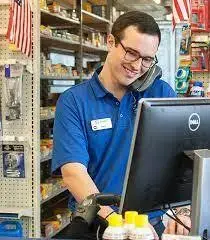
(47, 158)
(59, 39)
(47, 117)
(95, 48)
(45, 77)
(72, 42)
(70, 20)
(95, 16)
(15, 212)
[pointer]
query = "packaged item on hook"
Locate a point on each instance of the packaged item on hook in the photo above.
(12, 83)
(13, 160)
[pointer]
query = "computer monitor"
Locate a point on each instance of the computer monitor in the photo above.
(158, 172)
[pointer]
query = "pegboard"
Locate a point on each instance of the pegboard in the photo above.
(23, 192)
(203, 76)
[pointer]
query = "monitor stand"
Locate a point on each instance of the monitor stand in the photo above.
(201, 193)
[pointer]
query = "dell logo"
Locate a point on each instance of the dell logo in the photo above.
(194, 122)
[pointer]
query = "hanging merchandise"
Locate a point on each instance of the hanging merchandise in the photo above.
(184, 50)
(200, 59)
(197, 90)
(182, 78)
(199, 16)
(185, 41)
(12, 83)
(13, 160)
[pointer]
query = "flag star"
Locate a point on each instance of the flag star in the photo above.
(19, 2)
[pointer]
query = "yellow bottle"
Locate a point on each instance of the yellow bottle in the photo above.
(142, 230)
(129, 224)
(115, 230)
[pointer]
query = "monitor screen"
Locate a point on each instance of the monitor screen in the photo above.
(158, 171)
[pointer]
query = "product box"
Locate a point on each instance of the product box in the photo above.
(13, 161)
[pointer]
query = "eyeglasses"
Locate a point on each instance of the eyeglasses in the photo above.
(132, 56)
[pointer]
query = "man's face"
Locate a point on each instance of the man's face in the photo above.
(137, 45)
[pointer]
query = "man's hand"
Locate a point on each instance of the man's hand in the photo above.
(176, 228)
(154, 232)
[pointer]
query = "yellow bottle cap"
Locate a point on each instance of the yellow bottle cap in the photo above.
(141, 220)
(130, 217)
(115, 220)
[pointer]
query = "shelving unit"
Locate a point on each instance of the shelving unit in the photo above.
(59, 77)
(202, 75)
(50, 41)
(88, 24)
(54, 19)
(54, 194)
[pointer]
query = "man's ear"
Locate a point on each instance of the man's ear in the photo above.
(110, 42)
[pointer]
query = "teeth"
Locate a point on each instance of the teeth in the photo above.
(129, 71)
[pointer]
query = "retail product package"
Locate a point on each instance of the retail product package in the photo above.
(12, 91)
(13, 160)
(185, 41)
(182, 78)
(179, 237)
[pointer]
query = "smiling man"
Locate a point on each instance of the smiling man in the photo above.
(94, 120)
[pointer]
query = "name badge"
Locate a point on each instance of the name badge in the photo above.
(100, 124)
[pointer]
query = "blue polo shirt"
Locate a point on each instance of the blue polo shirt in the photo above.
(103, 152)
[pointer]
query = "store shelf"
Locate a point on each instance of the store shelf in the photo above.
(60, 229)
(50, 41)
(98, 2)
(43, 118)
(95, 21)
(54, 195)
(53, 19)
(47, 158)
(67, 3)
(45, 77)
(94, 50)
(15, 213)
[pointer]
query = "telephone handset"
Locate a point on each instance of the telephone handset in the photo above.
(143, 82)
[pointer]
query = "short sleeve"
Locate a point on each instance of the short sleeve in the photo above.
(69, 139)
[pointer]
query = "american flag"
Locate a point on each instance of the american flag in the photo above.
(19, 30)
(181, 11)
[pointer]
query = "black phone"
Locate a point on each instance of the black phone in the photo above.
(143, 82)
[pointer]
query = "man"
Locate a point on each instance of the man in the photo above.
(94, 120)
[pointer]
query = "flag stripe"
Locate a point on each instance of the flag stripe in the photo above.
(25, 30)
(19, 27)
(181, 11)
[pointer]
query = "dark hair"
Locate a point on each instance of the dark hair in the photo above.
(143, 21)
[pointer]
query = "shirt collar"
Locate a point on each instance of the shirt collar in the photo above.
(97, 86)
